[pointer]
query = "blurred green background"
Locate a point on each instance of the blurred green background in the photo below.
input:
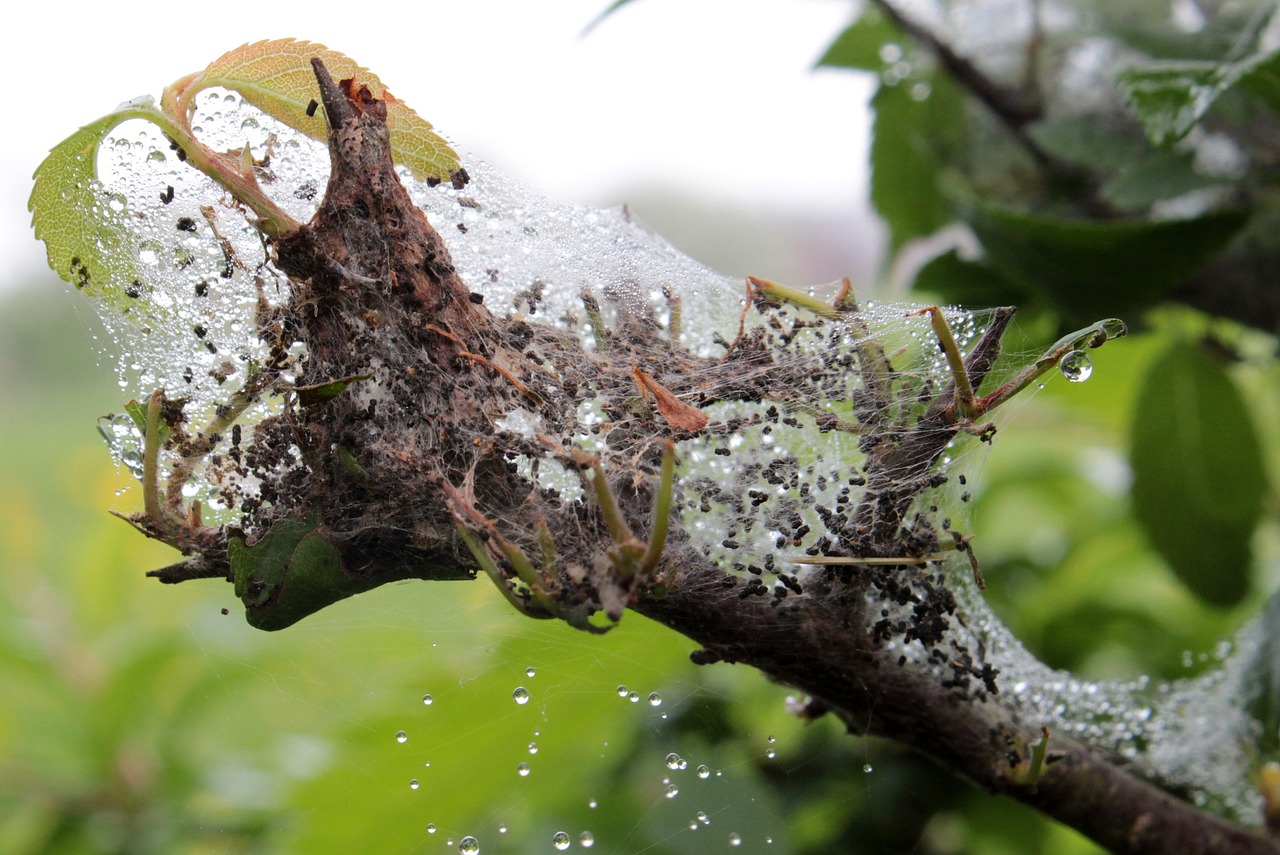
(137, 718)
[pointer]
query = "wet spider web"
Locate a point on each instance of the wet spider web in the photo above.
(766, 483)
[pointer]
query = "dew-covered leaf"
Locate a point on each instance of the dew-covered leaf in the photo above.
(1198, 472)
(277, 78)
(84, 237)
(1170, 98)
(1088, 268)
(910, 146)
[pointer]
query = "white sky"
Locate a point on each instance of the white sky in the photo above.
(716, 97)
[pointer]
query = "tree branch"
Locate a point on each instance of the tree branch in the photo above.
(414, 478)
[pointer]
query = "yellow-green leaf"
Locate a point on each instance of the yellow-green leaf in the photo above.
(276, 77)
(87, 242)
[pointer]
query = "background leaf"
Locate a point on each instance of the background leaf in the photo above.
(1198, 472)
(912, 141)
(276, 77)
(1092, 268)
(1170, 98)
(859, 46)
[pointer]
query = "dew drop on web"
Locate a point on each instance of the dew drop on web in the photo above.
(1076, 366)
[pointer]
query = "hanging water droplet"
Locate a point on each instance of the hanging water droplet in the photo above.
(469, 846)
(633, 697)
(1076, 366)
(770, 753)
(520, 695)
(592, 804)
(655, 699)
(673, 761)
(401, 736)
(735, 839)
(533, 748)
(413, 785)
(703, 818)
(672, 791)
(427, 700)
(502, 828)
(529, 672)
(770, 739)
(523, 770)
(704, 772)
(560, 840)
(622, 691)
(866, 767)
(431, 828)
(587, 839)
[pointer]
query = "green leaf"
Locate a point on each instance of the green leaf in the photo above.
(137, 411)
(1261, 680)
(1198, 476)
(860, 44)
(320, 392)
(1170, 98)
(959, 281)
(912, 141)
(88, 243)
(277, 78)
(1087, 268)
(296, 569)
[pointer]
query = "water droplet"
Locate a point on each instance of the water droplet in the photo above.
(655, 699)
(771, 754)
(1076, 366)
(413, 785)
(672, 791)
(673, 761)
(502, 828)
(866, 767)
(770, 739)
(735, 839)
(592, 804)
(633, 696)
(703, 771)
(622, 691)
(890, 53)
(523, 770)
(401, 736)
(427, 700)
(529, 672)
(533, 748)
(431, 828)
(703, 818)
(520, 695)
(560, 840)
(587, 839)
(469, 846)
